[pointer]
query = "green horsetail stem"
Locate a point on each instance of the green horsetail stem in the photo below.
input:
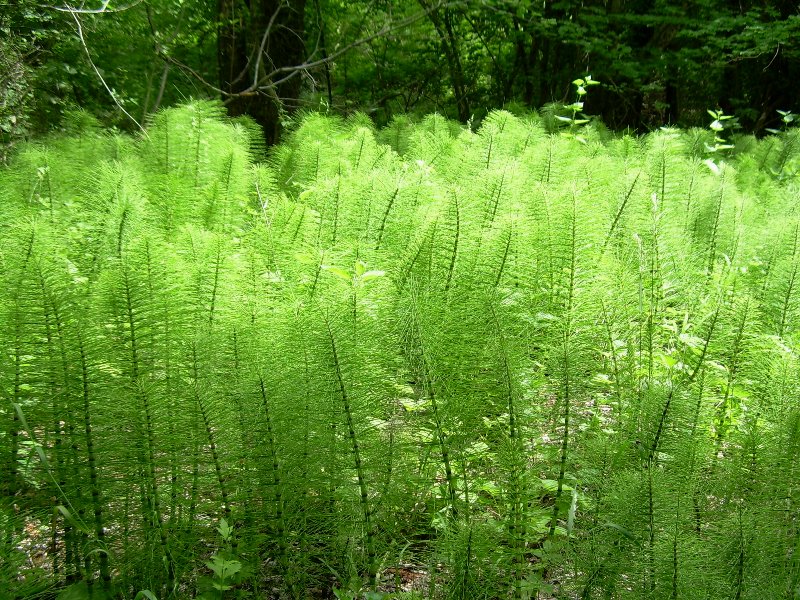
(369, 534)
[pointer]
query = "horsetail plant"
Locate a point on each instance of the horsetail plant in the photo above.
(551, 364)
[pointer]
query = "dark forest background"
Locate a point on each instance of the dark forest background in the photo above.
(659, 62)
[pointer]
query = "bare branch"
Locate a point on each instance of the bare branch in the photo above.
(157, 51)
(777, 51)
(186, 68)
(360, 42)
(263, 44)
(161, 88)
(266, 82)
(99, 76)
(96, 11)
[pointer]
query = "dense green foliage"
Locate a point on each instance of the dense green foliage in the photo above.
(422, 361)
(661, 62)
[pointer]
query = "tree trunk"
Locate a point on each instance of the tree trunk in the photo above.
(242, 25)
(443, 23)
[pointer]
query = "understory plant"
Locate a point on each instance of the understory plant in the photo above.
(422, 362)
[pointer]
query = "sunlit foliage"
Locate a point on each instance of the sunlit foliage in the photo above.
(423, 362)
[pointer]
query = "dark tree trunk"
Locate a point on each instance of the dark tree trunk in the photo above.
(522, 63)
(242, 24)
(443, 23)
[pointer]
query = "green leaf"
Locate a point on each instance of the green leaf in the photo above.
(222, 567)
(490, 488)
(668, 361)
(338, 272)
(372, 275)
(360, 268)
(224, 529)
(573, 507)
(72, 520)
(221, 586)
(305, 258)
(692, 341)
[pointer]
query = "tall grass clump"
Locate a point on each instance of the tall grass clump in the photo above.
(421, 362)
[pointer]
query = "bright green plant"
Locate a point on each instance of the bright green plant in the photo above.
(787, 118)
(503, 364)
(721, 146)
(227, 570)
(577, 118)
(786, 161)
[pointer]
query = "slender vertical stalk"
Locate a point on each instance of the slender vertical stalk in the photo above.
(215, 286)
(454, 252)
(509, 235)
(425, 375)
(385, 217)
(675, 563)
(203, 409)
(651, 535)
(369, 534)
(277, 483)
(738, 585)
(790, 283)
(736, 349)
(18, 352)
(712, 247)
(97, 505)
(620, 210)
(615, 368)
(497, 192)
(152, 503)
(566, 368)
(516, 521)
